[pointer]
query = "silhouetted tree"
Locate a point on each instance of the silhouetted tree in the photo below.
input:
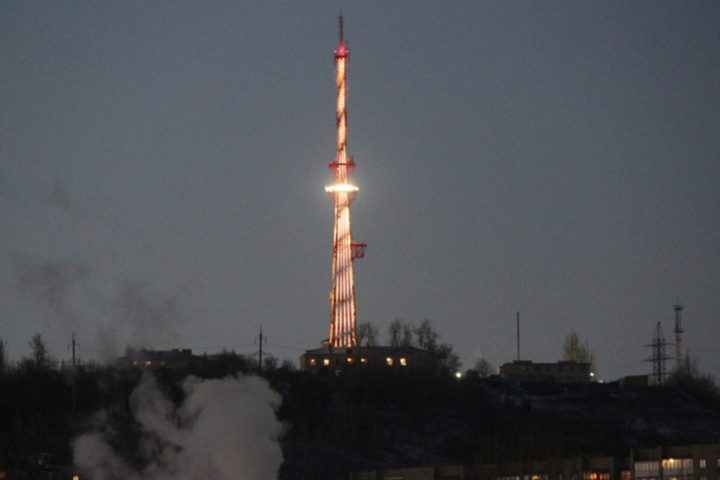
(406, 340)
(448, 359)
(367, 332)
(687, 377)
(574, 351)
(40, 358)
(3, 356)
(288, 365)
(226, 363)
(395, 332)
(270, 363)
(425, 336)
(484, 367)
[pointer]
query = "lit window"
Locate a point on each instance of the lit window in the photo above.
(312, 361)
(350, 360)
(703, 463)
(647, 469)
(403, 362)
(677, 467)
(389, 361)
(148, 362)
(326, 361)
(596, 476)
(363, 361)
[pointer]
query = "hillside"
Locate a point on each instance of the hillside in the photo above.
(406, 420)
(331, 426)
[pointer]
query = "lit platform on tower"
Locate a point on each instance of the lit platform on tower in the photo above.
(340, 187)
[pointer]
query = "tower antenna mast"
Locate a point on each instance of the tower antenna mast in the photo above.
(343, 318)
(678, 334)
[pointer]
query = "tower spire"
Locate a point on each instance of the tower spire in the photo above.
(342, 192)
(342, 40)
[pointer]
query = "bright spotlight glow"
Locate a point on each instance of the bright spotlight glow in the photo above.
(341, 187)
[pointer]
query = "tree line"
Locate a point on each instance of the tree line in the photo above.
(402, 333)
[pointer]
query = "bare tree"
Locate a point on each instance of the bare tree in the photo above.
(288, 365)
(3, 356)
(407, 334)
(270, 363)
(448, 359)
(40, 358)
(367, 332)
(574, 351)
(687, 377)
(395, 332)
(425, 336)
(484, 367)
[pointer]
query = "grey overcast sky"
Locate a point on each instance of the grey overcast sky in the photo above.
(162, 173)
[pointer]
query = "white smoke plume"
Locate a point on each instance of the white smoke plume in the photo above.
(224, 429)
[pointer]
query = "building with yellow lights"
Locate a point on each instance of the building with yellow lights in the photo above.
(687, 462)
(338, 360)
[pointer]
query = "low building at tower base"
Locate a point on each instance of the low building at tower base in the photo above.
(337, 360)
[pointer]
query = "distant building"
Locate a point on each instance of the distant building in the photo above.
(635, 380)
(560, 372)
(144, 358)
(338, 360)
(688, 462)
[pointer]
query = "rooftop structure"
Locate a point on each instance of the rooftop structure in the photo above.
(338, 360)
(145, 358)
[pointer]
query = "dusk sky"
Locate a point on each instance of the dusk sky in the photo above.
(163, 164)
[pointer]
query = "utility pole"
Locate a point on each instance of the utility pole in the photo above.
(518, 335)
(74, 346)
(260, 341)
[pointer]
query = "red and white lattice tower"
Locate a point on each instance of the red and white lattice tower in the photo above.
(342, 192)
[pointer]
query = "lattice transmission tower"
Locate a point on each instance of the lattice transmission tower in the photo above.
(343, 317)
(658, 357)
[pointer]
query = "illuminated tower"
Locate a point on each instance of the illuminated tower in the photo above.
(342, 192)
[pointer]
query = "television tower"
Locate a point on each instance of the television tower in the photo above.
(342, 192)
(678, 335)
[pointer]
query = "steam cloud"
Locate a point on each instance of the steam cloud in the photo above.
(51, 281)
(224, 429)
(148, 314)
